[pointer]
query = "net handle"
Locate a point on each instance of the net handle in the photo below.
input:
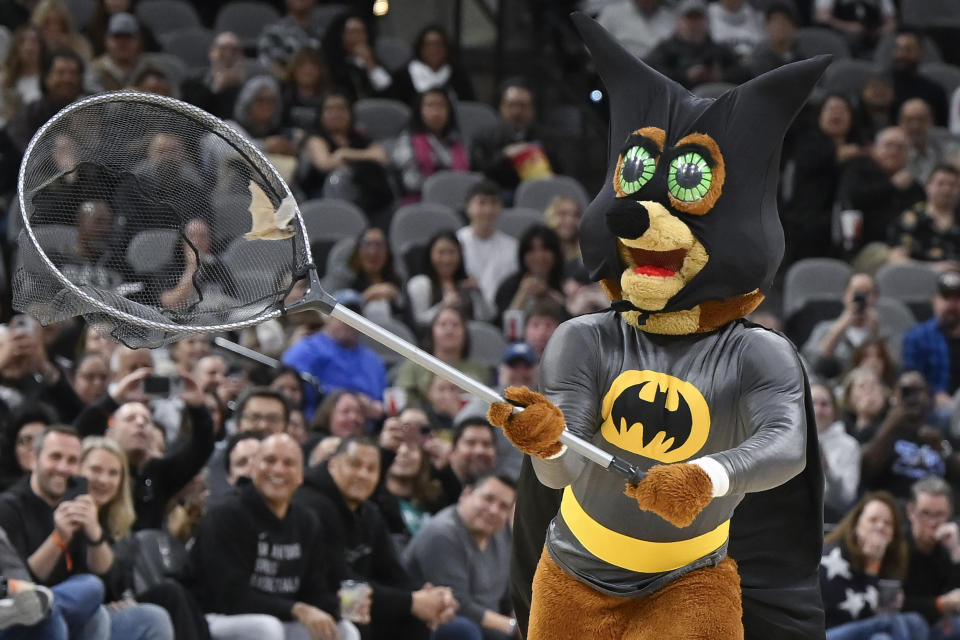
(316, 298)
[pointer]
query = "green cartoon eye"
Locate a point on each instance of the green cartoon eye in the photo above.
(636, 168)
(689, 177)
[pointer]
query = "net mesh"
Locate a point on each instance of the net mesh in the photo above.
(138, 215)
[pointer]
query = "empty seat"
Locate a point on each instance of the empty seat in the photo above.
(381, 118)
(393, 53)
(192, 45)
(848, 75)
(151, 250)
(813, 41)
(487, 343)
(517, 220)
(813, 278)
(165, 16)
(328, 219)
(450, 188)
(538, 194)
(415, 224)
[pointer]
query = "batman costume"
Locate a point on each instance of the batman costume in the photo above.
(682, 237)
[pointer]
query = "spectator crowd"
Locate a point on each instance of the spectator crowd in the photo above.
(189, 492)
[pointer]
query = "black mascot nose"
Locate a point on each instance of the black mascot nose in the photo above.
(628, 219)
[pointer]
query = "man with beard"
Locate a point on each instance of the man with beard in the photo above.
(909, 83)
(933, 347)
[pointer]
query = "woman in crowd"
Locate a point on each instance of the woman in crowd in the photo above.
(432, 143)
(53, 20)
(162, 608)
(840, 453)
(348, 45)
(449, 341)
(307, 80)
(816, 162)
(861, 557)
(374, 276)
(90, 377)
(287, 381)
(409, 480)
(865, 400)
(340, 148)
(874, 354)
(431, 68)
(16, 446)
(540, 275)
(340, 415)
(444, 282)
(21, 70)
(563, 216)
(259, 112)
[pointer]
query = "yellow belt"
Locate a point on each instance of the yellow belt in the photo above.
(629, 553)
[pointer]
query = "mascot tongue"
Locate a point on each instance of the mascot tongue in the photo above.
(657, 263)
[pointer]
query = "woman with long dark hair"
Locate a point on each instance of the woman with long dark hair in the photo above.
(430, 144)
(349, 48)
(432, 67)
(444, 282)
(540, 275)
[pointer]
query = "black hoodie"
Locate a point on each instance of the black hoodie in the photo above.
(247, 560)
(369, 553)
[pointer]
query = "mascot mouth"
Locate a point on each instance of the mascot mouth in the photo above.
(663, 264)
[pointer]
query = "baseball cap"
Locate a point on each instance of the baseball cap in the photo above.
(692, 6)
(123, 24)
(948, 284)
(519, 351)
(350, 298)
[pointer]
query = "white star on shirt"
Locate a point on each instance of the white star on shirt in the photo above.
(853, 604)
(836, 565)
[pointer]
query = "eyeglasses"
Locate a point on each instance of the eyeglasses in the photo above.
(266, 418)
(25, 440)
(923, 514)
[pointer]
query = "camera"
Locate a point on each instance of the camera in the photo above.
(860, 301)
(911, 396)
(162, 386)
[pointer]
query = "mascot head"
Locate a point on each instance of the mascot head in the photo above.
(685, 231)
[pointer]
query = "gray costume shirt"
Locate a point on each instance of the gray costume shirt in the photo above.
(735, 395)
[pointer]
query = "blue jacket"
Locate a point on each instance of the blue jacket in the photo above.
(925, 350)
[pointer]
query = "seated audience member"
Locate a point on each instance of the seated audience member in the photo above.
(374, 276)
(926, 152)
(28, 375)
(196, 274)
(291, 384)
(62, 83)
(875, 354)
(308, 79)
(905, 447)
(431, 68)
(516, 148)
(840, 452)
(215, 88)
(874, 111)
(241, 453)
(869, 545)
(339, 150)
(489, 255)
(21, 71)
(909, 83)
(467, 546)
(20, 431)
(928, 347)
(639, 25)
(563, 216)
(444, 282)
(540, 276)
(409, 483)
(258, 552)
(105, 467)
(932, 585)
(735, 24)
(261, 411)
(865, 402)
(818, 154)
(449, 341)
(831, 343)
(690, 56)
(779, 44)
(349, 48)
(56, 25)
(880, 187)
(124, 58)
(445, 400)
(929, 232)
(473, 454)
(154, 480)
(341, 490)
(71, 608)
(342, 414)
(861, 23)
(295, 31)
(335, 357)
(540, 323)
(91, 375)
(259, 112)
(431, 143)
(59, 536)
(187, 352)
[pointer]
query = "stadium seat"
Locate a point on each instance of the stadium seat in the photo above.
(946, 75)
(394, 326)
(487, 343)
(930, 13)
(813, 41)
(191, 44)
(151, 250)
(166, 16)
(381, 118)
(913, 284)
(848, 75)
(393, 53)
(538, 194)
(81, 12)
(415, 224)
(813, 278)
(450, 188)
(474, 117)
(246, 19)
(517, 220)
(328, 219)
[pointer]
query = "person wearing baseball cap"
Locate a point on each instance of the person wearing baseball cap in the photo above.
(123, 59)
(518, 367)
(933, 347)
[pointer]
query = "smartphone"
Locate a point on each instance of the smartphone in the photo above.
(860, 302)
(161, 386)
(23, 323)
(76, 486)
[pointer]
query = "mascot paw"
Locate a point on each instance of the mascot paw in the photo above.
(535, 430)
(675, 492)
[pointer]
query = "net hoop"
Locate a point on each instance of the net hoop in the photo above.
(211, 123)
